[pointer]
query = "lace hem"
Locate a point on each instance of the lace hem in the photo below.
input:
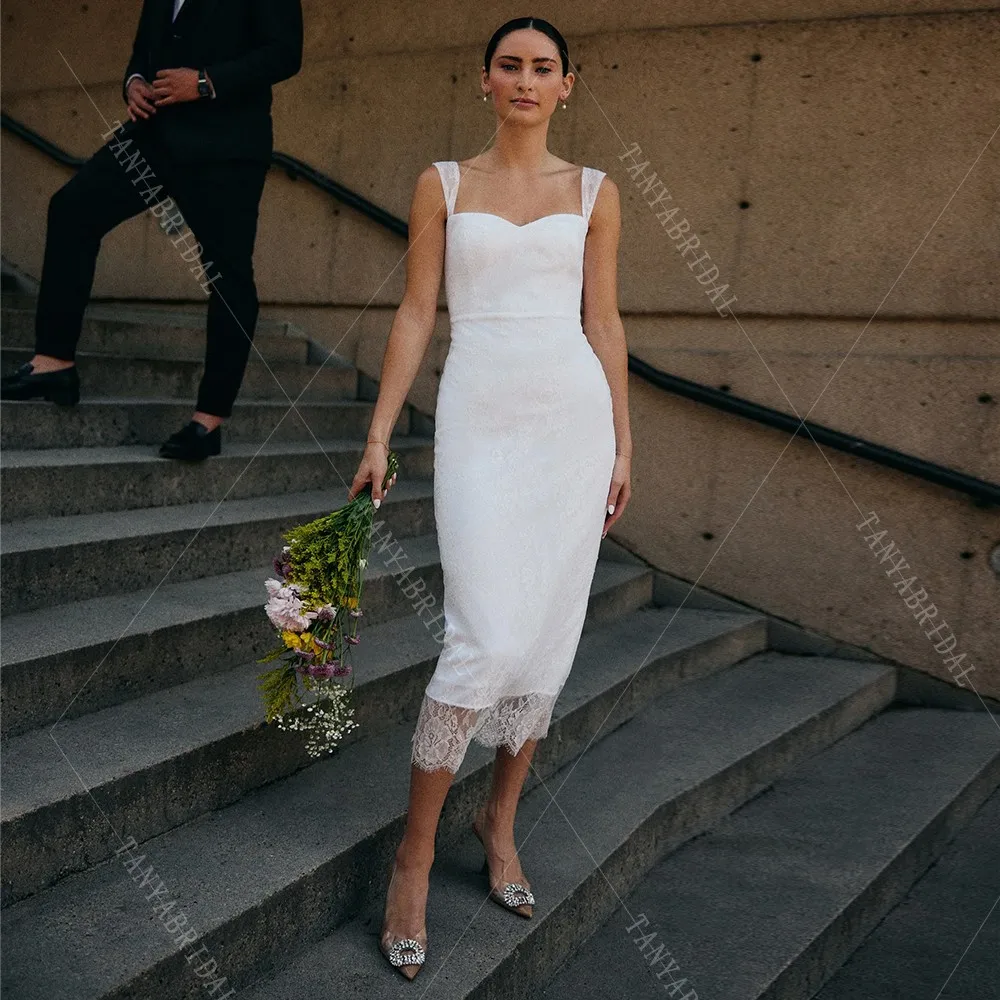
(443, 732)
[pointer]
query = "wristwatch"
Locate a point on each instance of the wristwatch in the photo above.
(204, 90)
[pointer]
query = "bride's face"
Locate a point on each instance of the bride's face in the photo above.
(526, 65)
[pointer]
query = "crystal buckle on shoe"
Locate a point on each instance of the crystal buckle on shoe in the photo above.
(515, 894)
(395, 953)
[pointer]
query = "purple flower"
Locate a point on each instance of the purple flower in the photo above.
(323, 669)
(340, 669)
(352, 639)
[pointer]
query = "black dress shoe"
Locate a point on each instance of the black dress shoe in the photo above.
(193, 442)
(62, 386)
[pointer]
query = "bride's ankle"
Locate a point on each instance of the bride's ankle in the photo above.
(409, 857)
(497, 824)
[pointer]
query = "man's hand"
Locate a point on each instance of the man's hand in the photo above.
(140, 99)
(172, 86)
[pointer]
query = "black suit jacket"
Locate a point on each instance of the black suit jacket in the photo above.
(245, 46)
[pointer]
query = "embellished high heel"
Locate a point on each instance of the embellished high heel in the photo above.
(511, 895)
(405, 954)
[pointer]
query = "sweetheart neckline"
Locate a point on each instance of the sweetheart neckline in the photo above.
(521, 225)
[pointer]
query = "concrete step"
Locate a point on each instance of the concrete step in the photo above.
(774, 899)
(153, 333)
(207, 737)
(676, 768)
(57, 482)
(51, 560)
(943, 939)
(63, 661)
(295, 858)
(113, 375)
(108, 421)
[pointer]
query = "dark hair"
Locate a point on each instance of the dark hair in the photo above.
(528, 22)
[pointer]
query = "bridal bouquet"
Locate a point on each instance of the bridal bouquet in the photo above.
(314, 606)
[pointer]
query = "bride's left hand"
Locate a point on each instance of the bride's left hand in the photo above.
(620, 492)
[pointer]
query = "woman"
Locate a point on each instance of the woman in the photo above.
(532, 449)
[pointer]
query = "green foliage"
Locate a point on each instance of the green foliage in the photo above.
(327, 555)
(326, 559)
(280, 690)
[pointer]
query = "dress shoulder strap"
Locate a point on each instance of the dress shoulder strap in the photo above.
(448, 169)
(590, 184)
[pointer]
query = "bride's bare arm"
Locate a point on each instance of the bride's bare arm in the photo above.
(603, 327)
(601, 321)
(412, 326)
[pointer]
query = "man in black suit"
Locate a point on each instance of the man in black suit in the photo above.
(196, 149)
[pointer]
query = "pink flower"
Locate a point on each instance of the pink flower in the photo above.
(285, 608)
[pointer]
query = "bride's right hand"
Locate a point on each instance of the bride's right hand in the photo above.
(372, 469)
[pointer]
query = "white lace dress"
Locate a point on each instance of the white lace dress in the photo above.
(524, 448)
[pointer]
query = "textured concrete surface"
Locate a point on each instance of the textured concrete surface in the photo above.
(66, 660)
(56, 560)
(943, 940)
(194, 747)
(643, 789)
(108, 421)
(811, 145)
(291, 854)
(772, 900)
(113, 375)
(56, 482)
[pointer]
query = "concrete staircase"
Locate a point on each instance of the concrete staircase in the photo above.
(160, 842)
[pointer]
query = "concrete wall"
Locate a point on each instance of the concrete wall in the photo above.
(832, 157)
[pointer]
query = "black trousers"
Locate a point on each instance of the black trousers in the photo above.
(219, 201)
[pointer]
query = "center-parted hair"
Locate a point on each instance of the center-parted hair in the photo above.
(528, 22)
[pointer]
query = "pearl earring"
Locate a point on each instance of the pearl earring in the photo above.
(564, 105)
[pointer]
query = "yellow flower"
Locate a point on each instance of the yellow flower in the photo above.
(291, 639)
(351, 602)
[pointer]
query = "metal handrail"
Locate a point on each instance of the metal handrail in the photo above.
(980, 490)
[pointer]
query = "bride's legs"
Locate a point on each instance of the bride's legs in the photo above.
(406, 900)
(495, 820)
